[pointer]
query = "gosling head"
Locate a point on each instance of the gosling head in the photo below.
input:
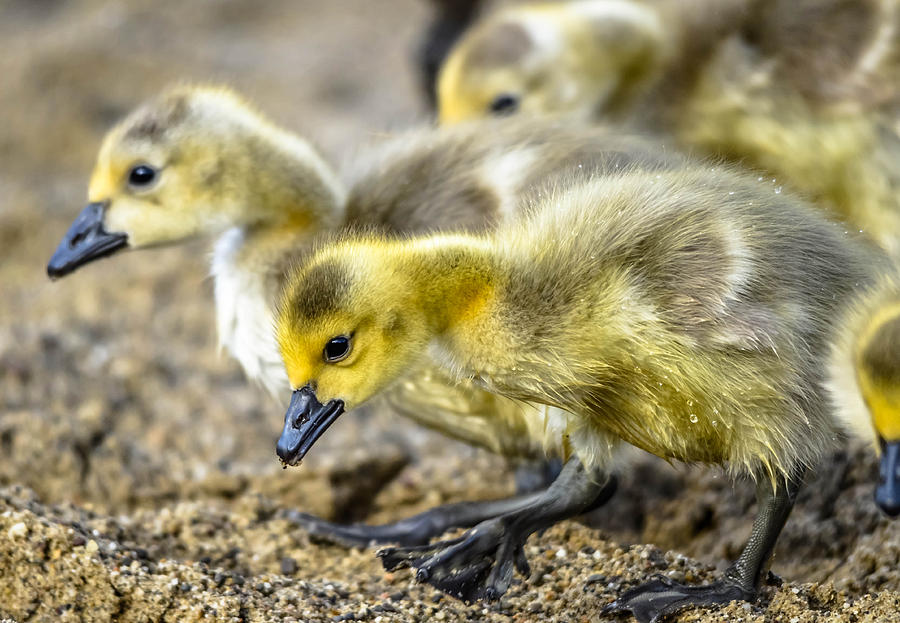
(575, 58)
(878, 371)
(193, 161)
(348, 325)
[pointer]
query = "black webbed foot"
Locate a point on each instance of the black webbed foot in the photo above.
(414, 530)
(478, 565)
(654, 601)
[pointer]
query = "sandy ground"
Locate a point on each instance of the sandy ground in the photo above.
(138, 480)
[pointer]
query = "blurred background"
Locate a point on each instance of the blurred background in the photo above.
(116, 408)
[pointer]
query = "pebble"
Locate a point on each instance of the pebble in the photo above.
(595, 578)
(17, 530)
(288, 566)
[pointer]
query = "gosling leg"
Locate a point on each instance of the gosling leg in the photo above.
(421, 528)
(479, 564)
(653, 601)
(415, 530)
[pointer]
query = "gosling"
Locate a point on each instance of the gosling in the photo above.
(804, 90)
(687, 311)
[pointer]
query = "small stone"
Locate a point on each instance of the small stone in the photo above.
(91, 547)
(561, 553)
(595, 578)
(288, 566)
(17, 530)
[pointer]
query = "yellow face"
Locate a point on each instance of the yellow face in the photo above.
(878, 371)
(153, 190)
(503, 91)
(884, 405)
(345, 335)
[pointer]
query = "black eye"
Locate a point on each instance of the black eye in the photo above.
(141, 175)
(505, 104)
(336, 349)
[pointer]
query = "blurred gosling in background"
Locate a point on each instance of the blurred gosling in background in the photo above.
(806, 90)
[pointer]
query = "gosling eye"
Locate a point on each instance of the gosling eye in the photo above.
(141, 176)
(505, 104)
(336, 349)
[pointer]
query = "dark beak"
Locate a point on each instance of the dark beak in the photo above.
(887, 494)
(305, 421)
(85, 241)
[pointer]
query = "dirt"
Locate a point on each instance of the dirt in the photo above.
(138, 474)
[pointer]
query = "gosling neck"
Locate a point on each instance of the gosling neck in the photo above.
(287, 186)
(454, 278)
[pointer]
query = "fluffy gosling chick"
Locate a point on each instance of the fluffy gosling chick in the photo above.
(582, 58)
(579, 57)
(866, 379)
(199, 161)
(687, 312)
(806, 90)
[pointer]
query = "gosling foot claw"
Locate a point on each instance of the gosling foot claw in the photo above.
(478, 565)
(654, 601)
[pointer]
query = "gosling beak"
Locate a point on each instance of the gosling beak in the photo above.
(85, 241)
(887, 494)
(305, 421)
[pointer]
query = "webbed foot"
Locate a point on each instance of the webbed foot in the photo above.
(477, 565)
(654, 601)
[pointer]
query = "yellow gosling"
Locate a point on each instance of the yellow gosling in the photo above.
(578, 58)
(583, 58)
(687, 311)
(804, 90)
